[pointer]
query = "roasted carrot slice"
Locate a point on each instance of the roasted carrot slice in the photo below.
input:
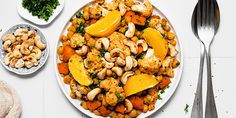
(120, 109)
(67, 53)
(104, 111)
(92, 105)
(63, 68)
(128, 16)
(165, 82)
(137, 102)
(138, 20)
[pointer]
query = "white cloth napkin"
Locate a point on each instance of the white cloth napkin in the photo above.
(10, 105)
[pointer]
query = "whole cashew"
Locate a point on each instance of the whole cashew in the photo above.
(16, 52)
(6, 45)
(102, 41)
(29, 64)
(24, 37)
(135, 62)
(20, 63)
(173, 51)
(83, 51)
(130, 32)
(86, 63)
(143, 44)
(26, 46)
(117, 52)
(31, 34)
(8, 57)
(132, 45)
(102, 73)
(13, 62)
(92, 94)
(125, 76)
(122, 8)
(107, 64)
(21, 32)
(120, 61)
(31, 58)
(117, 70)
(38, 52)
(108, 57)
(129, 63)
(128, 105)
(10, 37)
(38, 42)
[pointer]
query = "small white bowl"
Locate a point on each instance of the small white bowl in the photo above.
(24, 70)
(24, 13)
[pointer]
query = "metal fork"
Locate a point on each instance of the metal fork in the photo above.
(207, 25)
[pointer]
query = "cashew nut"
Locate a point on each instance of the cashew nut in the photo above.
(122, 8)
(20, 63)
(24, 37)
(29, 64)
(13, 62)
(117, 70)
(120, 61)
(145, 9)
(166, 62)
(6, 45)
(31, 34)
(38, 52)
(8, 57)
(107, 64)
(143, 44)
(104, 11)
(135, 62)
(27, 46)
(132, 45)
(86, 63)
(31, 58)
(83, 51)
(128, 105)
(38, 42)
(131, 29)
(102, 41)
(10, 37)
(125, 76)
(117, 52)
(21, 32)
(108, 57)
(16, 52)
(102, 73)
(129, 63)
(92, 94)
(173, 51)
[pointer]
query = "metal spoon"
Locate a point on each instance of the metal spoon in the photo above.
(197, 105)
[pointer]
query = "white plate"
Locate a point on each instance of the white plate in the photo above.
(165, 96)
(42, 60)
(24, 13)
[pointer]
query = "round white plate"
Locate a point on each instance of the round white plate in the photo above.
(42, 60)
(24, 13)
(165, 96)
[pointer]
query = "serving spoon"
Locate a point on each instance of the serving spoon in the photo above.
(203, 23)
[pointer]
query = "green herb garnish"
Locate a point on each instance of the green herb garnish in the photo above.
(118, 96)
(186, 108)
(43, 9)
(80, 28)
(79, 15)
(159, 97)
(102, 52)
(92, 75)
(115, 76)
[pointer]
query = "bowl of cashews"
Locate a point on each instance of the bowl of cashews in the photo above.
(24, 49)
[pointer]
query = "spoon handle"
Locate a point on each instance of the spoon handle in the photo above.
(210, 111)
(197, 111)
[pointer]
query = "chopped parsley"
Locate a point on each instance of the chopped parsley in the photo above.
(186, 108)
(92, 75)
(80, 28)
(126, 28)
(147, 23)
(92, 86)
(115, 76)
(162, 91)
(79, 15)
(159, 97)
(118, 96)
(102, 52)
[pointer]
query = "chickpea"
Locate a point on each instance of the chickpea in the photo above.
(70, 34)
(134, 39)
(60, 50)
(91, 42)
(86, 8)
(138, 33)
(129, 3)
(145, 108)
(87, 36)
(72, 95)
(153, 22)
(166, 28)
(71, 28)
(151, 107)
(133, 113)
(113, 114)
(152, 91)
(170, 35)
(119, 115)
(63, 38)
(67, 79)
(66, 43)
(127, 116)
(163, 21)
(86, 15)
(169, 72)
(175, 63)
(95, 81)
(61, 57)
(75, 21)
(100, 97)
(122, 30)
(83, 104)
(104, 102)
(173, 42)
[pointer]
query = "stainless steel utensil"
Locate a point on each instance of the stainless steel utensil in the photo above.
(205, 23)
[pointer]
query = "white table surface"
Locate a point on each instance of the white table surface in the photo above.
(42, 98)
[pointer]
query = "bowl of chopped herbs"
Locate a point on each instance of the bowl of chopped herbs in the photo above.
(40, 12)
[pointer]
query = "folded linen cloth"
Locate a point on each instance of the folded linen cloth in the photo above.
(10, 105)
